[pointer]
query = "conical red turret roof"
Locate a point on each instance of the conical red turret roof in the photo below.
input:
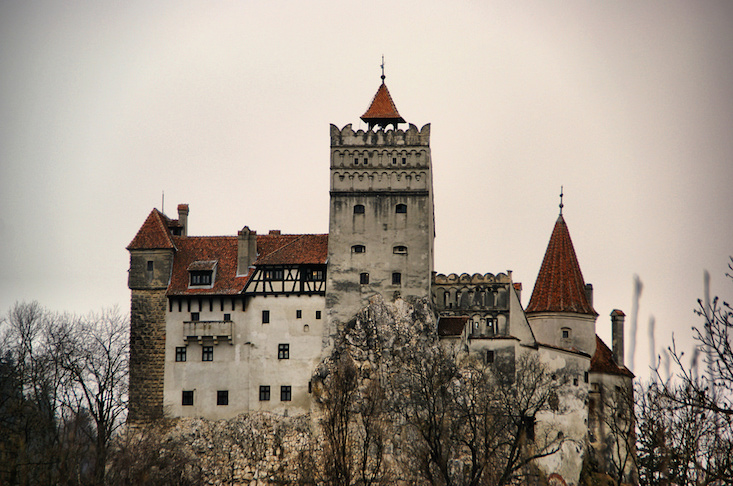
(382, 111)
(560, 286)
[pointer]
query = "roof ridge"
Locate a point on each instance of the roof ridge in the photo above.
(279, 249)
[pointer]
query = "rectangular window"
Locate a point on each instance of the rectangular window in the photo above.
(283, 351)
(264, 393)
(227, 317)
(207, 353)
(394, 160)
(181, 354)
(274, 274)
(585, 377)
(364, 278)
(285, 394)
(396, 278)
(265, 317)
(366, 161)
(299, 314)
(528, 424)
(489, 356)
(150, 265)
(565, 333)
(318, 314)
(195, 316)
(222, 397)
(201, 278)
(187, 397)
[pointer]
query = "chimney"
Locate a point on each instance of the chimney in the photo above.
(275, 232)
(246, 250)
(617, 335)
(183, 218)
(589, 293)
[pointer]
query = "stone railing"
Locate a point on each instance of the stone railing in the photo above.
(209, 330)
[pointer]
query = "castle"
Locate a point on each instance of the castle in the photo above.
(228, 324)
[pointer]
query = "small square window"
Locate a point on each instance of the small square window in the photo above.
(489, 356)
(207, 353)
(227, 317)
(180, 354)
(187, 397)
(364, 278)
(299, 314)
(285, 393)
(265, 317)
(222, 397)
(318, 314)
(396, 278)
(150, 265)
(359, 209)
(264, 393)
(195, 316)
(401, 208)
(565, 333)
(283, 351)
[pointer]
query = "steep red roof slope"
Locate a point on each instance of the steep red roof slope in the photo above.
(198, 252)
(603, 362)
(291, 249)
(154, 233)
(560, 286)
(382, 111)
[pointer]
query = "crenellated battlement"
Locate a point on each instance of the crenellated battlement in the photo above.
(410, 137)
(476, 278)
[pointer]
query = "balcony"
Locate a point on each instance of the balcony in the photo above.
(198, 331)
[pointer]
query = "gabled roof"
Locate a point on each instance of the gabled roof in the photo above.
(199, 253)
(291, 249)
(603, 362)
(154, 234)
(382, 111)
(207, 252)
(560, 286)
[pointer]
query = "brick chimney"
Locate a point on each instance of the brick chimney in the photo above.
(246, 250)
(183, 218)
(589, 293)
(617, 335)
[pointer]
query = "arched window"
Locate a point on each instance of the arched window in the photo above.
(400, 250)
(401, 209)
(358, 249)
(359, 209)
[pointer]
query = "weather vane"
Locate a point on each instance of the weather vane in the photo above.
(561, 204)
(382, 66)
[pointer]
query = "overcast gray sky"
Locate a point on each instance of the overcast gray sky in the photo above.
(226, 106)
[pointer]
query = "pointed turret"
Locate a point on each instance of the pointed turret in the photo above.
(382, 112)
(560, 286)
(560, 310)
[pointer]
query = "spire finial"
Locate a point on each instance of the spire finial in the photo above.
(382, 66)
(561, 204)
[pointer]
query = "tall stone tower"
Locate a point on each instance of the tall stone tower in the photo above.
(151, 260)
(381, 226)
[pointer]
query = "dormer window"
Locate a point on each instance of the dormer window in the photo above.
(274, 274)
(201, 273)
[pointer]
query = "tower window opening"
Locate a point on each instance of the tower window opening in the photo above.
(396, 278)
(364, 278)
(187, 397)
(566, 333)
(394, 160)
(358, 249)
(150, 265)
(489, 356)
(356, 160)
(404, 160)
(222, 397)
(366, 161)
(400, 250)
(207, 353)
(401, 208)
(359, 209)
(264, 393)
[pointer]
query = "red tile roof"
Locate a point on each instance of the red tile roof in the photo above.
(154, 233)
(560, 286)
(202, 252)
(603, 362)
(382, 111)
(276, 249)
(451, 326)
